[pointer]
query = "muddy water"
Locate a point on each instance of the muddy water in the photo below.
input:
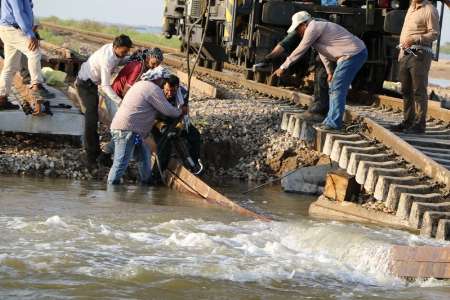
(69, 240)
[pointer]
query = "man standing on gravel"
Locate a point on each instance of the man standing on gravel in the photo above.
(420, 30)
(95, 72)
(334, 44)
(18, 36)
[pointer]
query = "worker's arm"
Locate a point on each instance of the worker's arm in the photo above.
(276, 52)
(105, 85)
(310, 37)
(160, 103)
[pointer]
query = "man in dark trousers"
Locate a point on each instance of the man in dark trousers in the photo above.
(96, 73)
(334, 45)
(420, 29)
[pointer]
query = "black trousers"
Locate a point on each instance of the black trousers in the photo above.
(166, 146)
(88, 92)
(414, 78)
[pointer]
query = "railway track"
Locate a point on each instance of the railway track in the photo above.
(407, 177)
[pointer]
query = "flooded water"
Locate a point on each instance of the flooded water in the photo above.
(69, 240)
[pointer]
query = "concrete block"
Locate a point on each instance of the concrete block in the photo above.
(64, 121)
(308, 180)
(395, 191)
(363, 168)
(383, 183)
(348, 150)
(418, 209)
(407, 199)
(375, 172)
(443, 230)
(431, 220)
(355, 158)
(331, 137)
(296, 132)
(339, 144)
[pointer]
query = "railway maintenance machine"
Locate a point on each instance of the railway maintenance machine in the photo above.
(242, 32)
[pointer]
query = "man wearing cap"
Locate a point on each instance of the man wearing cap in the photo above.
(319, 107)
(334, 44)
(420, 29)
(132, 124)
(96, 73)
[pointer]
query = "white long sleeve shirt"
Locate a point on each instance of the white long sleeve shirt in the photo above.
(100, 67)
(332, 41)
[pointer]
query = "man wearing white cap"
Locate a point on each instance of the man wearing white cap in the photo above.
(334, 44)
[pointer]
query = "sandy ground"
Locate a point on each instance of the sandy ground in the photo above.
(440, 69)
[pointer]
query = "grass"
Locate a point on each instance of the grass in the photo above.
(115, 30)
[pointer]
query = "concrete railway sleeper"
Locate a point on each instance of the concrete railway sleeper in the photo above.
(392, 183)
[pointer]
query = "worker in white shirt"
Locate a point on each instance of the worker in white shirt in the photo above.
(94, 73)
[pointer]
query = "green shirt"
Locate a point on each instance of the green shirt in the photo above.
(290, 42)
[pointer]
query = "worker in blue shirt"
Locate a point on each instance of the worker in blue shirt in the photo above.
(18, 36)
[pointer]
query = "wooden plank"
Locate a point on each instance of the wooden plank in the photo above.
(179, 178)
(341, 186)
(420, 262)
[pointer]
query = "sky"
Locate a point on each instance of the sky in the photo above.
(130, 12)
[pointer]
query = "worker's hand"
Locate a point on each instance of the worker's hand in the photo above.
(279, 72)
(330, 78)
(33, 44)
(185, 110)
(408, 43)
(37, 110)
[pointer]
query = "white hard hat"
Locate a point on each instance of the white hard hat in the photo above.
(297, 19)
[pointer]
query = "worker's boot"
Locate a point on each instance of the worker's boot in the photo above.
(6, 105)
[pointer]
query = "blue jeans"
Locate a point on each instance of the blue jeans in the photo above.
(125, 149)
(343, 76)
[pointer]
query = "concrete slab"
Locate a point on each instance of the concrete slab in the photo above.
(420, 262)
(68, 122)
